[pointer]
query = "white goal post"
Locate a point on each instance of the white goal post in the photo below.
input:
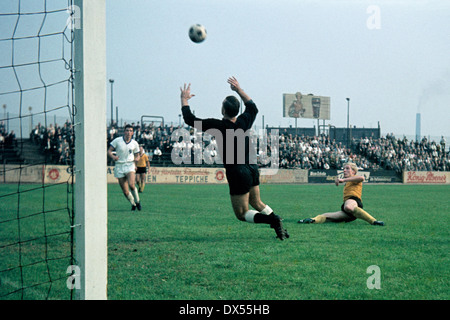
(90, 148)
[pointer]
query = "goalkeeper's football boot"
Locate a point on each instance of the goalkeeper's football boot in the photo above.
(378, 223)
(277, 225)
(307, 220)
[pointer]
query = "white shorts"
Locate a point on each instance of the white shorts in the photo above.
(122, 169)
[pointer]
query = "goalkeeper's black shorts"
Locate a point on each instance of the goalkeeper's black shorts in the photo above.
(241, 177)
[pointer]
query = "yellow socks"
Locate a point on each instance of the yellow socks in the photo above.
(357, 212)
(320, 219)
(361, 214)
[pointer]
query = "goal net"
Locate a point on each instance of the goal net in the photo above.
(41, 236)
(36, 128)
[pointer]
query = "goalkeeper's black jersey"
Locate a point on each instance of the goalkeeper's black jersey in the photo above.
(233, 138)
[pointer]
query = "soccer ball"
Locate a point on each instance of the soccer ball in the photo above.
(197, 33)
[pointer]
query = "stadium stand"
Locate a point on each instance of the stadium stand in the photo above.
(53, 144)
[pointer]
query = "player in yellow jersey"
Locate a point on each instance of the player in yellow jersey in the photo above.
(352, 208)
(142, 167)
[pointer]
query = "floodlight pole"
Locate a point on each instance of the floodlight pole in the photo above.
(348, 122)
(112, 96)
(90, 150)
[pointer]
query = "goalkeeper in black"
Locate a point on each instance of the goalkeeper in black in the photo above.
(241, 173)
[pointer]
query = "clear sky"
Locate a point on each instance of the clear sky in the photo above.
(391, 58)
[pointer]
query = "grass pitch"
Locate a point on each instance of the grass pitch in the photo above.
(186, 244)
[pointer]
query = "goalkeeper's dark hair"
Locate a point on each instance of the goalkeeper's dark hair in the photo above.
(231, 106)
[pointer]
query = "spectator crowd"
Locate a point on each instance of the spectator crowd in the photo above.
(389, 153)
(295, 151)
(56, 142)
(402, 155)
(7, 139)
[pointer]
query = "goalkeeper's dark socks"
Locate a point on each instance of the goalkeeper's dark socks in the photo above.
(254, 216)
(264, 218)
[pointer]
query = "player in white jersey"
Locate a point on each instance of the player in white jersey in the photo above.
(125, 152)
